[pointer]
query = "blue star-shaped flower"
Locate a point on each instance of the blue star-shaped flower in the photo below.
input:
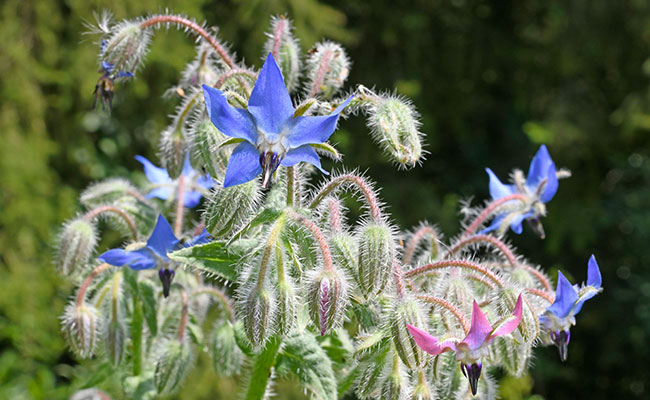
(540, 187)
(558, 318)
(166, 188)
(271, 135)
(154, 253)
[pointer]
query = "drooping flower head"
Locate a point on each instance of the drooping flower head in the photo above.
(538, 188)
(153, 254)
(558, 318)
(474, 346)
(106, 83)
(270, 134)
(195, 184)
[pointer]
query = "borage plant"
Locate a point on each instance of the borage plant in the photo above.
(273, 280)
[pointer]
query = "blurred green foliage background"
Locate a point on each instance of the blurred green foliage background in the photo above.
(492, 81)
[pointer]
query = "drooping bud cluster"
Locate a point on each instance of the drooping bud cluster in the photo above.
(328, 66)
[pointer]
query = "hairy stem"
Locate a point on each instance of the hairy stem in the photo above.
(137, 321)
(221, 296)
(277, 228)
(450, 307)
(417, 237)
(398, 277)
(459, 264)
(489, 209)
(334, 215)
(291, 186)
(90, 215)
(487, 240)
(184, 309)
(320, 74)
(541, 294)
(86, 283)
(318, 235)
(360, 183)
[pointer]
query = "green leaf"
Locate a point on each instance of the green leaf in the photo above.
(303, 356)
(261, 373)
(212, 258)
(267, 215)
(149, 306)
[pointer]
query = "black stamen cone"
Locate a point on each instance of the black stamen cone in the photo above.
(166, 277)
(561, 340)
(473, 373)
(536, 225)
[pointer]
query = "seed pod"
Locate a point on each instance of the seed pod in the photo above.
(227, 358)
(77, 242)
(327, 69)
(230, 207)
(345, 252)
(258, 315)
(173, 149)
(284, 46)
(327, 296)
(106, 192)
(171, 366)
(395, 126)
(115, 341)
(80, 327)
(407, 311)
(376, 255)
(126, 45)
(205, 138)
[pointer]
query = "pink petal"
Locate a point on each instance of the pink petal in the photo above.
(511, 323)
(427, 342)
(480, 329)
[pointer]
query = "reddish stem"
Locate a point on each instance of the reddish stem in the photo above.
(541, 294)
(449, 307)
(360, 183)
(320, 75)
(398, 276)
(277, 37)
(334, 215)
(183, 323)
(485, 239)
(230, 314)
(460, 264)
(416, 239)
(90, 215)
(84, 286)
(233, 72)
(318, 235)
(489, 209)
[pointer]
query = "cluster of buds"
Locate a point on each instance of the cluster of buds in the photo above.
(343, 306)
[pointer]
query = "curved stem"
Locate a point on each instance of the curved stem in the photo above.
(193, 26)
(398, 277)
(268, 249)
(90, 215)
(236, 72)
(318, 235)
(115, 291)
(227, 307)
(84, 286)
(417, 237)
(183, 323)
(460, 264)
(180, 206)
(450, 307)
(489, 209)
(541, 294)
(360, 183)
(484, 239)
(334, 215)
(277, 36)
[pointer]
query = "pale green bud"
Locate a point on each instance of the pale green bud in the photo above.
(126, 45)
(376, 255)
(228, 208)
(284, 46)
(371, 370)
(395, 126)
(328, 67)
(172, 363)
(106, 192)
(115, 337)
(286, 314)
(227, 358)
(258, 315)
(77, 242)
(141, 212)
(206, 139)
(80, 327)
(345, 252)
(395, 385)
(514, 357)
(407, 311)
(173, 149)
(327, 296)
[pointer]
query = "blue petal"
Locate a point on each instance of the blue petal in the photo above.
(125, 74)
(153, 173)
(551, 184)
(593, 273)
(515, 224)
(203, 238)
(498, 189)
(187, 166)
(205, 181)
(565, 297)
(147, 260)
(161, 193)
(243, 166)
(303, 153)
(231, 121)
(119, 257)
(191, 199)
(496, 223)
(162, 238)
(108, 67)
(306, 130)
(538, 167)
(270, 104)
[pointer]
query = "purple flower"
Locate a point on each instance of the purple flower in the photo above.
(154, 253)
(539, 188)
(165, 188)
(558, 318)
(470, 350)
(270, 134)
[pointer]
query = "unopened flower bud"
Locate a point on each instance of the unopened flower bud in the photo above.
(227, 358)
(284, 46)
(327, 296)
(115, 342)
(407, 311)
(327, 69)
(229, 207)
(286, 307)
(395, 126)
(371, 370)
(345, 252)
(77, 242)
(258, 315)
(173, 149)
(126, 45)
(376, 255)
(172, 363)
(529, 326)
(396, 384)
(80, 327)
(205, 139)
(512, 356)
(106, 192)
